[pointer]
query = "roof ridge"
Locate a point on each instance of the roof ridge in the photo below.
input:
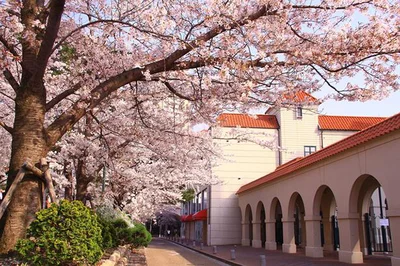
(354, 116)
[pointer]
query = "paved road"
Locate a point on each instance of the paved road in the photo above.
(165, 253)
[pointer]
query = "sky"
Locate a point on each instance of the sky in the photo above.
(386, 107)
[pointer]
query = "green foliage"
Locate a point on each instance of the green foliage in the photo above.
(188, 195)
(108, 233)
(65, 234)
(118, 232)
(67, 53)
(137, 236)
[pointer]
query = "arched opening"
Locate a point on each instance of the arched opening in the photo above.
(325, 207)
(260, 218)
(374, 227)
(276, 212)
(296, 208)
(248, 225)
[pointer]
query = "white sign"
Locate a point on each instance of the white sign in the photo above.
(384, 222)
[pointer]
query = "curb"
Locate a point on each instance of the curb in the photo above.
(229, 262)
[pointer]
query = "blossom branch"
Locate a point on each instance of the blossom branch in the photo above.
(66, 120)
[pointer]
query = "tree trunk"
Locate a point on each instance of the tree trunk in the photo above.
(29, 143)
(82, 180)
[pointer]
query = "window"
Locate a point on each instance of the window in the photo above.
(309, 149)
(299, 112)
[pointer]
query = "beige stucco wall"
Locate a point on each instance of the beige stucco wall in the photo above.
(329, 137)
(349, 176)
(243, 162)
(297, 133)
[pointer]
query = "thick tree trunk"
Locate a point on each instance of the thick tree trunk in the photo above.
(29, 143)
(82, 180)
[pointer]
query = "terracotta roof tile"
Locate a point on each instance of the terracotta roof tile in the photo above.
(300, 97)
(352, 123)
(385, 127)
(247, 121)
(289, 163)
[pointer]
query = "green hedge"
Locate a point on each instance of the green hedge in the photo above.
(65, 234)
(117, 232)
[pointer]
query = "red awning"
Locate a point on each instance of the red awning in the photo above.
(201, 215)
(187, 218)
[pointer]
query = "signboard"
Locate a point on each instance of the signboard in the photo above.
(384, 222)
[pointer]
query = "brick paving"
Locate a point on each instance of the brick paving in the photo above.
(249, 256)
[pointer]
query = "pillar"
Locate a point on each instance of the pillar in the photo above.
(270, 244)
(256, 242)
(350, 251)
(313, 237)
(394, 222)
(327, 224)
(245, 234)
(289, 245)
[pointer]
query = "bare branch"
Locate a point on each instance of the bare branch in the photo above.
(7, 128)
(171, 89)
(62, 40)
(62, 96)
(8, 46)
(11, 80)
(326, 7)
(326, 80)
(53, 25)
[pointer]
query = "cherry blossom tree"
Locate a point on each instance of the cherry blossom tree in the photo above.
(148, 160)
(61, 60)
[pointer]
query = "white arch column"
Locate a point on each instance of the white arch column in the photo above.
(313, 235)
(350, 251)
(256, 242)
(245, 234)
(270, 243)
(289, 245)
(394, 221)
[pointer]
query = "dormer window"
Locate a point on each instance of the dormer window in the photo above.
(299, 112)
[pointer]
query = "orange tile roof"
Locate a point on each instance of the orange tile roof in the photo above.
(300, 97)
(247, 121)
(289, 163)
(385, 127)
(352, 123)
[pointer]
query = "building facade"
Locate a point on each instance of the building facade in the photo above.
(253, 146)
(341, 198)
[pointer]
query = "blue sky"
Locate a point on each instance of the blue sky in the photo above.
(386, 107)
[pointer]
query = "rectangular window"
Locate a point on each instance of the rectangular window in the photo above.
(309, 149)
(299, 112)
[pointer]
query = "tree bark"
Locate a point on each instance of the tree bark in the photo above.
(29, 143)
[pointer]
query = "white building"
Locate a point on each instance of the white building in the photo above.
(254, 146)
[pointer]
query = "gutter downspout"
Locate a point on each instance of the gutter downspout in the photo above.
(280, 147)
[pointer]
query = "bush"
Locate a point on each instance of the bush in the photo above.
(118, 229)
(138, 236)
(65, 234)
(108, 233)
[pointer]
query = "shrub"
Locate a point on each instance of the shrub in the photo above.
(118, 229)
(65, 234)
(108, 233)
(138, 236)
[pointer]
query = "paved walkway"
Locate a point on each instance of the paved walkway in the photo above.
(161, 252)
(248, 256)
